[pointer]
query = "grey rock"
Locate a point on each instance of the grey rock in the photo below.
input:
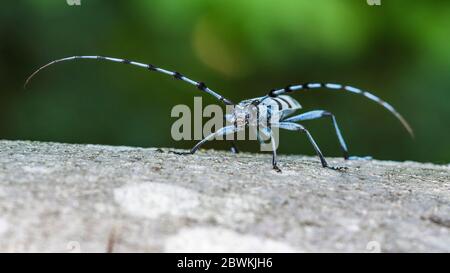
(93, 198)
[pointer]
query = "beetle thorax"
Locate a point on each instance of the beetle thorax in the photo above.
(244, 115)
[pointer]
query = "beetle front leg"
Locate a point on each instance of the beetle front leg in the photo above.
(222, 131)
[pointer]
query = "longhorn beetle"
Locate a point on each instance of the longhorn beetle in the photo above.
(274, 103)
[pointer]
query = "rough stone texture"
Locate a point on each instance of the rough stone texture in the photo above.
(91, 198)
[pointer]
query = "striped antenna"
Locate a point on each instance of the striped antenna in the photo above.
(340, 87)
(178, 76)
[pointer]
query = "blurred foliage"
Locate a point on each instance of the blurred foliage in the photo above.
(400, 51)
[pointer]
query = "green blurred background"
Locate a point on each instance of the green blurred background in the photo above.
(400, 51)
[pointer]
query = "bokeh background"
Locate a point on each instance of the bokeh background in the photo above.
(400, 51)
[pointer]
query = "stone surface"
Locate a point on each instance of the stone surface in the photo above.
(91, 198)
